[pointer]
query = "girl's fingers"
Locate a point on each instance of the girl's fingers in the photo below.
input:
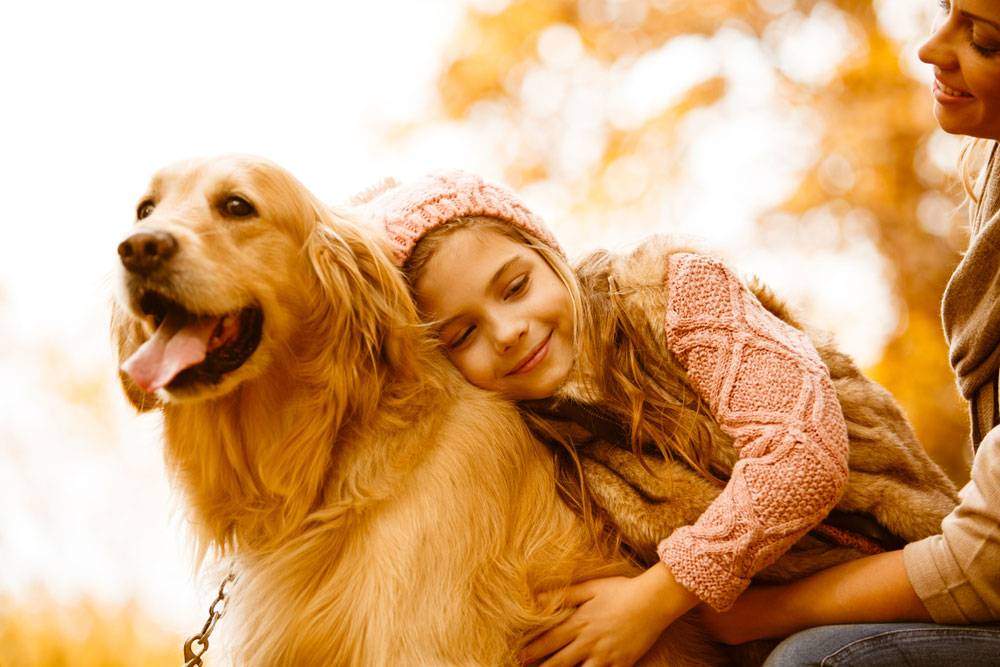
(545, 598)
(572, 596)
(577, 594)
(570, 656)
(547, 643)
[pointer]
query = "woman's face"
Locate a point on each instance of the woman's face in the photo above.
(965, 53)
(506, 320)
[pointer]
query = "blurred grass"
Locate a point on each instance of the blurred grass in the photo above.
(40, 631)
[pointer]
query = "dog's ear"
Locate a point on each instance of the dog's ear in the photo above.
(359, 282)
(127, 335)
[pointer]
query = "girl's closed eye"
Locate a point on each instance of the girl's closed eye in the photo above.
(517, 286)
(462, 338)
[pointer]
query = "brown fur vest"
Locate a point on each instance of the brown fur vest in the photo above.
(895, 493)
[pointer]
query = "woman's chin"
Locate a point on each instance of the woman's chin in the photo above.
(960, 122)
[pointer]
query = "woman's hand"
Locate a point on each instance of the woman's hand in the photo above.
(741, 624)
(616, 622)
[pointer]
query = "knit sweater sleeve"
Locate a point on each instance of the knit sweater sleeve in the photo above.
(767, 389)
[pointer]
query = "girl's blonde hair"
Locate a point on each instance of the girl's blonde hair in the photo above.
(636, 381)
(625, 377)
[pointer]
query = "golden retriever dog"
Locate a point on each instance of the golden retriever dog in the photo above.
(380, 510)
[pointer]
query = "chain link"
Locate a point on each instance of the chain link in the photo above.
(196, 646)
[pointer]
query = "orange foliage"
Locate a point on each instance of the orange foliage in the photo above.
(915, 365)
(42, 632)
(874, 120)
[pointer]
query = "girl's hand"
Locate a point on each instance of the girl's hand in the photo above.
(617, 620)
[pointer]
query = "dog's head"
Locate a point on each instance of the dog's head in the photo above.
(231, 267)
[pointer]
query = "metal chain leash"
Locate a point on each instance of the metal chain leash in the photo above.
(196, 646)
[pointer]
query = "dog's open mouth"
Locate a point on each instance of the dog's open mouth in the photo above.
(189, 348)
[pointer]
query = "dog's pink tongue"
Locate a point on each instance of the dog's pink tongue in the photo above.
(177, 344)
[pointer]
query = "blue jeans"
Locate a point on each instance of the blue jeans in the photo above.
(909, 644)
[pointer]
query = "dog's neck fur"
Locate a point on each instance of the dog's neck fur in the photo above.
(249, 487)
(331, 521)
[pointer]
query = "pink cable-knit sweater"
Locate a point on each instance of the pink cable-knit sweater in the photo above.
(768, 390)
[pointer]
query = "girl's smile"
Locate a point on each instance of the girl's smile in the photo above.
(534, 358)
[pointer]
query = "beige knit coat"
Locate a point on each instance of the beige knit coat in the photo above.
(955, 573)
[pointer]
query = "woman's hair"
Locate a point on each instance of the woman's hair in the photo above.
(971, 162)
(625, 375)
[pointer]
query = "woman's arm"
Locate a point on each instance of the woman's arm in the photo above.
(868, 590)
(768, 389)
(949, 578)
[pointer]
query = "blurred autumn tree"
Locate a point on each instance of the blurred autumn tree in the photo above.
(45, 632)
(599, 100)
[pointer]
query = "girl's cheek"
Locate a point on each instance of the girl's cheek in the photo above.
(459, 361)
(475, 368)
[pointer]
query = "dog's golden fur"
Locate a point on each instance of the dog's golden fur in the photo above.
(380, 509)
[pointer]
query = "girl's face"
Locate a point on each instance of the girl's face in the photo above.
(965, 53)
(506, 320)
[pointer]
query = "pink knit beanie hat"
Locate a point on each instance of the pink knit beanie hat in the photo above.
(409, 211)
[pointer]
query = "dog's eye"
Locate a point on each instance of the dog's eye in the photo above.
(145, 210)
(237, 207)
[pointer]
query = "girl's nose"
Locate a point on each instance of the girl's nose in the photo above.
(508, 333)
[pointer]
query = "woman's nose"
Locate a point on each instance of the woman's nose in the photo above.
(938, 49)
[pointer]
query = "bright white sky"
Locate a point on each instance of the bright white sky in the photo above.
(98, 95)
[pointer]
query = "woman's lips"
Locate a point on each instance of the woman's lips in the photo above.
(948, 95)
(535, 358)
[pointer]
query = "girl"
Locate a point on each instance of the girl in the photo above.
(951, 578)
(513, 318)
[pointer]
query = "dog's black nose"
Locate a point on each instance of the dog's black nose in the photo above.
(144, 252)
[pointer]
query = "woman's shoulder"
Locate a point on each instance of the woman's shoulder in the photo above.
(991, 189)
(984, 192)
(988, 457)
(992, 150)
